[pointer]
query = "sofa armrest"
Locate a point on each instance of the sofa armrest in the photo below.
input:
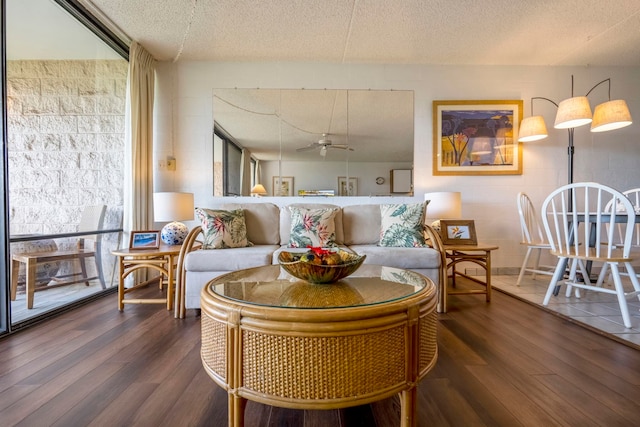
(435, 242)
(191, 243)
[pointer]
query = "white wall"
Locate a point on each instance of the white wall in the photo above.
(184, 129)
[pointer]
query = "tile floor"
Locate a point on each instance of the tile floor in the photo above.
(594, 310)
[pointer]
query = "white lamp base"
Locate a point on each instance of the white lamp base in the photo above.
(174, 233)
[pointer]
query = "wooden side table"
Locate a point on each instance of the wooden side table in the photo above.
(163, 260)
(479, 254)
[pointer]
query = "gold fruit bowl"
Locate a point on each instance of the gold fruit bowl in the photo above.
(320, 273)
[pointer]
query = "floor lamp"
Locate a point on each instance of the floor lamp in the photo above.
(574, 112)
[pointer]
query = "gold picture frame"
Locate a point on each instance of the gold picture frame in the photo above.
(458, 232)
(477, 137)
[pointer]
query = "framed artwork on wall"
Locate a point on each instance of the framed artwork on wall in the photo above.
(282, 185)
(477, 137)
(144, 240)
(351, 190)
(458, 232)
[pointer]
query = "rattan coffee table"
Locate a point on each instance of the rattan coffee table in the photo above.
(273, 339)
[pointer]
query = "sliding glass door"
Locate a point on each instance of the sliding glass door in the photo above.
(64, 157)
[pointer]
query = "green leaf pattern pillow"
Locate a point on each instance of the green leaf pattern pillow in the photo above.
(312, 227)
(223, 229)
(402, 225)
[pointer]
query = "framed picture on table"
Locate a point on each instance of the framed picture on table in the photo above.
(458, 232)
(144, 240)
(477, 137)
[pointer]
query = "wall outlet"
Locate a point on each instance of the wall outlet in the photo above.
(162, 164)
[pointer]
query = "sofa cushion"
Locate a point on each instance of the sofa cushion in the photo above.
(262, 220)
(361, 224)
(229, 259)
(312, 227)
(409, 258)
(285, 220)
(402, 225)
(223, 228)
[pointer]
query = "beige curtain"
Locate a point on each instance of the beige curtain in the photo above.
(245, 178)
(259, 173)
(138, 200)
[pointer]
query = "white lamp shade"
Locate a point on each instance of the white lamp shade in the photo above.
(573, 112)
(444, 205)
(532, 129)
(173, 207)
(611, 115)
(258, 190)
(481, 146)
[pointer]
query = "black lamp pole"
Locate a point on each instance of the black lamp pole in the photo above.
(570, 148)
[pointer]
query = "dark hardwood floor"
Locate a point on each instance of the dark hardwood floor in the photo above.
(506, 363)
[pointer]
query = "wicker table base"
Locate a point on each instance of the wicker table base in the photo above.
(321, 358)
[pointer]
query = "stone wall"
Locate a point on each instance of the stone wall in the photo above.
(65, 143)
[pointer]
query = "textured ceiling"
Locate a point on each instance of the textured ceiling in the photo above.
(439, 32)
(472, 32)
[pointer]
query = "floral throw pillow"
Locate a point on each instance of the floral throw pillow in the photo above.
(402, 225)
(312, 227)
(223, 229)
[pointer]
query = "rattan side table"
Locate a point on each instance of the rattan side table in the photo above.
(480, 255)
(163, 260)
(270, 338)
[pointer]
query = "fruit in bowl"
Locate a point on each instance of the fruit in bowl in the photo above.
(319, 265)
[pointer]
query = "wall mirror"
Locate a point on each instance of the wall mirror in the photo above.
(317, 136)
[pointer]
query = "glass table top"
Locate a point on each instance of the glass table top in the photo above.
(271, 286)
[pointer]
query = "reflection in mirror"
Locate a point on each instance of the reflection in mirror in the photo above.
(317, 136)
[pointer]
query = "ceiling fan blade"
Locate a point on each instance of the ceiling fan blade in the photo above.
(308, 148)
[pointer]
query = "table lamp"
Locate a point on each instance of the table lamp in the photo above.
(173, 207)
(443, 205)
(258, 190)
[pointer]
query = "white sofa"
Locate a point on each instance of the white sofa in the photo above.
(268, 228)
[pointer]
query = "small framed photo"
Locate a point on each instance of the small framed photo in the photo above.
(351, 190)
(144, 240)
(283, 186)
(458, 232)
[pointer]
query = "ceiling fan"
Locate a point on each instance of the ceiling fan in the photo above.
(324, 144)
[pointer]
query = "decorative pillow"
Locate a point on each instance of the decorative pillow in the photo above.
(312, 227)
(402, 225)
(223, 229)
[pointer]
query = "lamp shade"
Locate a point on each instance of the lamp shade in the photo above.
(173, 207)
(258, 190)
(532, 129)
(611, 115)
(444, 205)
(573, 112)
(481, 146)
